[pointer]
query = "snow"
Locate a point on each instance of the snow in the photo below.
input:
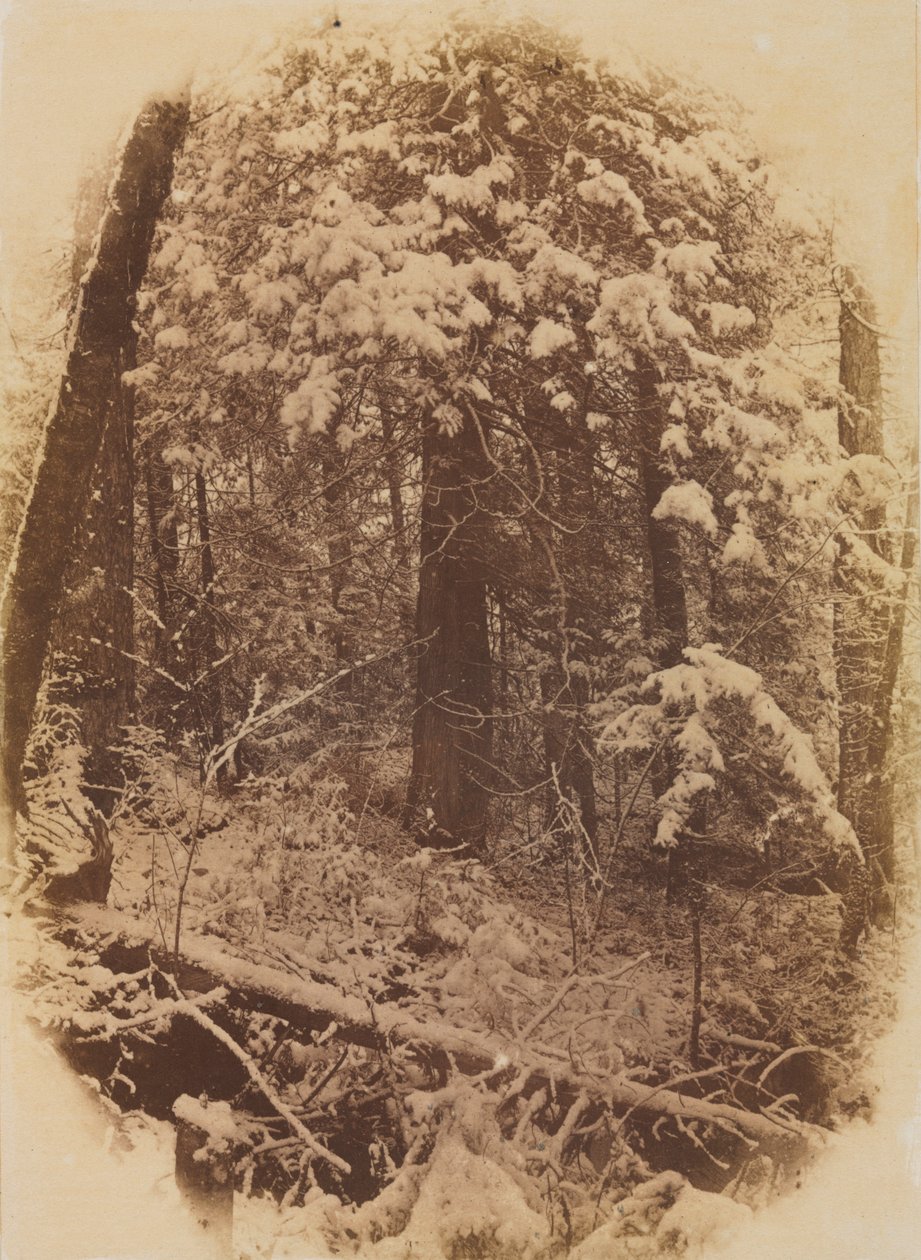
(466, 1199)
(862, 1199)
(70, 1187)
(173, 338)
(685, 164)
(689, 502)
(612, 191)
(563, 401)
(697, 1222)
(315, 402)
(742, 547)
(694, 263)
(792, 209)
(213, 1118)
(547, 337)
(365, 279)
(298, 142)
(140, 377)
(384, 138)
(636, 310)
(553, 272)
(675, 441)
(726, 319)
(271, 296)
(696, 688)
(474, 191)
(244, 361)
(780, 384)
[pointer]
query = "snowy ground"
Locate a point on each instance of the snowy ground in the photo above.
(71, 1195)
(863, 1200)
(68, 1195)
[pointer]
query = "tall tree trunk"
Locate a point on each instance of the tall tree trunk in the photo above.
(861, 613)
(98, 625)
(880, 781)
(452, 730)
(401, 546)
(87, 399)
(667, 569)
(668, 600)
(566, 556)
(95, 628)
(337, 485)
(164, 544)
(204, 634)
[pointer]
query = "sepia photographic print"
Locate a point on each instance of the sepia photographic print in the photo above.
(460, 694)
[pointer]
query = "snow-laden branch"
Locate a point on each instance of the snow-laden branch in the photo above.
(255, 721)
(686, 712)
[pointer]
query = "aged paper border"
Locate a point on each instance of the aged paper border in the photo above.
(841, 108)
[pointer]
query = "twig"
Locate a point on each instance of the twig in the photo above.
(694, 1037)
(612, 852)
(326, 1078)
(265, 1088)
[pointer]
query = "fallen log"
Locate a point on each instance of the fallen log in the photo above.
(125, 945)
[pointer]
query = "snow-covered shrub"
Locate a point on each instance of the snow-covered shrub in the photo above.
(471, 1200)
(320, 815)
(685, 712)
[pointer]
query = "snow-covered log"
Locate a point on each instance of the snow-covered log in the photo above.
(125, 946)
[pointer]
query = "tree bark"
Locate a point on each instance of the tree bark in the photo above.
(401, 549)
(666, 566)
(670, 614)
(881, 823)
(861, 631)
(101, 336)
(204, 634)
(96, 624)
(95, 629)
(452, 732)
(336, 487)
(565, 554)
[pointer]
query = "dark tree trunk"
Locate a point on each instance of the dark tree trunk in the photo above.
(881, 824)
(88, 398)
(164, 544)
(104, 636)
(665, 562)
(452, 729)
(95, 629)
(566, 555)
(861, 614)
(401, 546)
(205, 635)
(337, 485)
(670, 614)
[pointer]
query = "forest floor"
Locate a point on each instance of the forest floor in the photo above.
(401, 1054)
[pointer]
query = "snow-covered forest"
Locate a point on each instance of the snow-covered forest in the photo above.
(460, 638)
